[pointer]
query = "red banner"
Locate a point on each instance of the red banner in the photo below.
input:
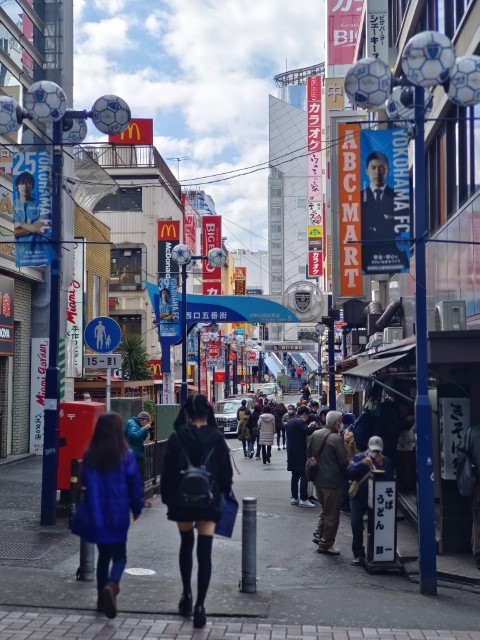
(139, 131)
(189, 224)
(211, 238)
(315, 262)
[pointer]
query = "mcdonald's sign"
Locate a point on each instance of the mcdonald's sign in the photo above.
(169, 230)
(155, 367)
(139, 131)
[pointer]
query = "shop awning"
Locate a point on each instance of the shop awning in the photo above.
(368, 368)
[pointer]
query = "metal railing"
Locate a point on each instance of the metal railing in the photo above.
(154, 454)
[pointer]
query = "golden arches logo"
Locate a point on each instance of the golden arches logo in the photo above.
(168, 231)
(129, 130)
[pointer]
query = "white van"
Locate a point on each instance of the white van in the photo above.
(226, 414)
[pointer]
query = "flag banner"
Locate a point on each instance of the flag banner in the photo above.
(385, 201)
(32, 208)
(168, 307)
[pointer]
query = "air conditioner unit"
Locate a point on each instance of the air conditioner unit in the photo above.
(450, 315)
(392, 335)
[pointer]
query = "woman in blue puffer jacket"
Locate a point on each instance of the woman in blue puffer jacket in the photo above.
(112, 489)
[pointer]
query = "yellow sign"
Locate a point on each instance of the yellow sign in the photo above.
(315, 232)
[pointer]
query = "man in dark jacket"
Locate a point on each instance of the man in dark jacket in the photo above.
(359, 468)
(327, 446)
(136, 432)
(297, 432)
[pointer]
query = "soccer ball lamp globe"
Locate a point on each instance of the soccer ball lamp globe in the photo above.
(45, 102)
(216, 258)
(464, 87)
(368, 83)
(74, 130)
(9, 112)
(400, 106)
(428, 59)
(181, 254)
(111, 114)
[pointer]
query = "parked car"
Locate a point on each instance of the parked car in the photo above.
(226, 414)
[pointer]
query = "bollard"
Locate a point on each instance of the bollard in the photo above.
(85, 571)
(249, 545)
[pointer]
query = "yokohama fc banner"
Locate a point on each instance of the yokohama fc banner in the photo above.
(385, 201)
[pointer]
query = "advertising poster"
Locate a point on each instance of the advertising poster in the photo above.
(168, 307)
(168, 237)
(6, 316)
(385, 201)
(32, 208)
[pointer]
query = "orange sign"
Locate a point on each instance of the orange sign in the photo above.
(139, 131)
(168, 230)
(350, 249)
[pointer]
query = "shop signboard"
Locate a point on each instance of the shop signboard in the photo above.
(6, 316)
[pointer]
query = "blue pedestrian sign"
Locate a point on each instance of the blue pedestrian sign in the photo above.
(102, 334)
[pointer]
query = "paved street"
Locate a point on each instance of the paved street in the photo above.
(300, 592)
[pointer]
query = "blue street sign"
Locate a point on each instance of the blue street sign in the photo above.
(102, 334)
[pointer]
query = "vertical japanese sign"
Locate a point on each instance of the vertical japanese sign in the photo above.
(168, 237)
(39, 363)
(211, 238)
(333, 101)
(32, 208)
(6, 316)
(385, 201)
(382, 502)
(454, 419)
(239, 281)
(350, 249)
(314, 172)
(75, 306)
(189, 224)
(343, 19)
(168, 308)
(377, 29)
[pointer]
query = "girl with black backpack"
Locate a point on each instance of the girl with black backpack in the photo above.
(195, 443)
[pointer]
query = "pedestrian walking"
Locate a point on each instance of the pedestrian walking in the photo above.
(266, 433)
(136, 431)
(244, 431)
(252, 424)
(113, 488)
(280, 411)
(327, 446)
(196, 441)
(297, 432)
(299, 372)
(292, 373)
(358, 470)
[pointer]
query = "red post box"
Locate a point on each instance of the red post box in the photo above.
(77, 421)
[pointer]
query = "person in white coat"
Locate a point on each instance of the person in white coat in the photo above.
(266, 427)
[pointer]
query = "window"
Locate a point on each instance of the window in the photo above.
(130, 324)
(276, 228)
(302, 269)
(127, 269)
(276, 214)
(302, 235)
(125, 199)
(96, 296)
(302, 203)
(276, 192)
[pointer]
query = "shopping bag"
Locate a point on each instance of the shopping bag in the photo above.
(229, 506)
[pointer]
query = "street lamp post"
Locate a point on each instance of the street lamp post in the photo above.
(45, 102)
(182, 255)
(428, 60)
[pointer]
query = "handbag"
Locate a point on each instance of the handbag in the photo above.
(466, 473)
(311, 466)
(229, 507)
(355, 486)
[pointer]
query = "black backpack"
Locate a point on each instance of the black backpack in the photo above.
(195, 488)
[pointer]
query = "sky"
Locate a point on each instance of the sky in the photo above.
(203, 70)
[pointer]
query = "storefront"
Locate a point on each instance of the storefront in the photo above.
(385, 383)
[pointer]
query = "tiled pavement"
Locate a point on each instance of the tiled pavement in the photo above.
(24, 625)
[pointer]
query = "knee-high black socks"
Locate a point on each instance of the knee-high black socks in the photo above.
(204, 557)
(186, 559)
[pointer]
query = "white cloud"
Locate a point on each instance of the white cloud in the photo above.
(203, 71)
